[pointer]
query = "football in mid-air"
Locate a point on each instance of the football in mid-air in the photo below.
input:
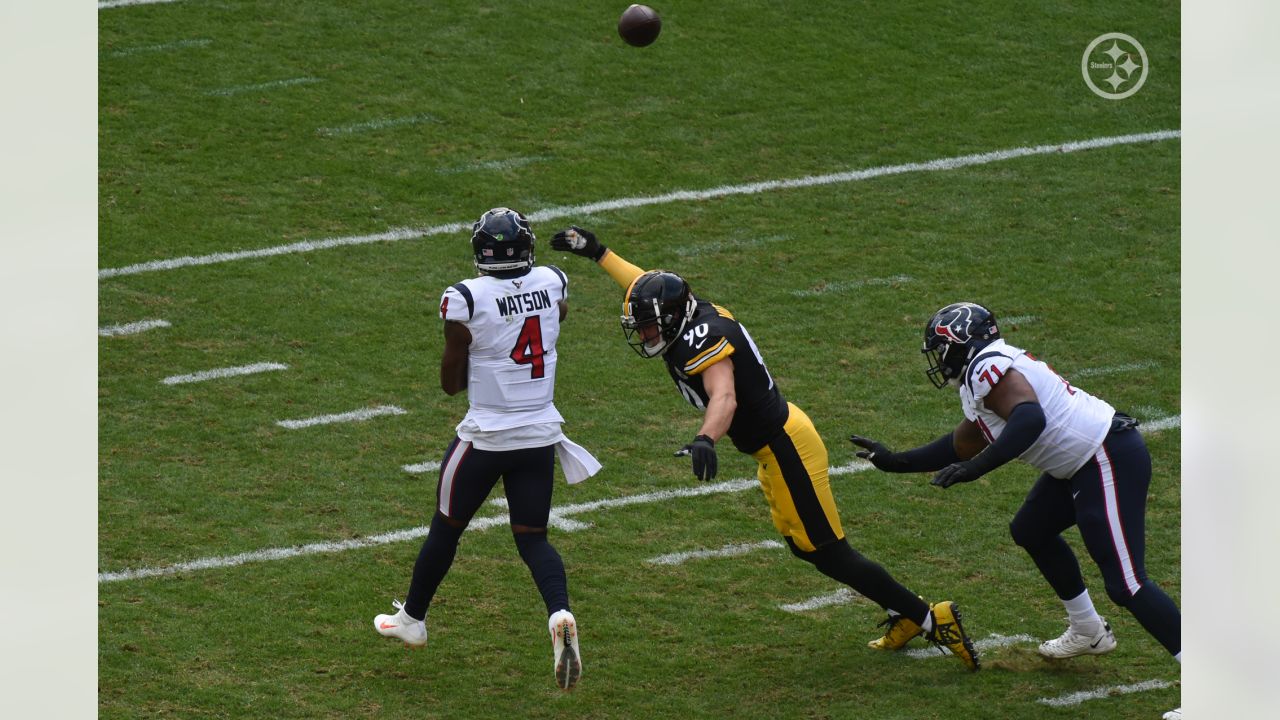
(639, 25)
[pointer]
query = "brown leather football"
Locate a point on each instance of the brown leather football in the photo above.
(639, 25)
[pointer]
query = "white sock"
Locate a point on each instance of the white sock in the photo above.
(1082, 614)
(927, 625)
(1178, 657)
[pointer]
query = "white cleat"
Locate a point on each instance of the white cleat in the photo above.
(1071, 643)
(412, 632)
(1175, 714)
(564, 641)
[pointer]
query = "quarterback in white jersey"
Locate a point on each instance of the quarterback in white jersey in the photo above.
(500, 331)
(1095, 471)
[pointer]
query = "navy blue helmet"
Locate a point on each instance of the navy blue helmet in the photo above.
(953, 337)
(502, 242)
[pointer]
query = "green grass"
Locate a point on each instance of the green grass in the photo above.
(536, 105)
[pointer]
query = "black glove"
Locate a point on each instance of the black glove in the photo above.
(879, 455)
(956, 473)
(579, 242)
(703, 450)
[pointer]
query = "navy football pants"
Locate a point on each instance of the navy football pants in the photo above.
(1107, 499)
(467, 476)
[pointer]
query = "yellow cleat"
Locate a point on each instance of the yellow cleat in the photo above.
(948, 633)
(900, 631)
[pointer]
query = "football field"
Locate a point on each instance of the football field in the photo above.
(286, 188)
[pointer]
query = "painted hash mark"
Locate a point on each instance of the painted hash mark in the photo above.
(353, 416)
(224, 372)
(1076, 698)
(132, 328)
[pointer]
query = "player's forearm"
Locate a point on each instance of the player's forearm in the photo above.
(719, 416)
(620, 270)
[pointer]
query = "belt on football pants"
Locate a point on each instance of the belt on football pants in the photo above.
(1121, 422)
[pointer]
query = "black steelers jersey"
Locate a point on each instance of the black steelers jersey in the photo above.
(711, 336)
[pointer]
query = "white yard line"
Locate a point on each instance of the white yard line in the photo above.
(1150, 426)
(508, 164)
(108, 4)
(577, 211)
(1075, 698)
(1017, 319)
(224, 372)
(721, 552)
(839, 597)
(854, 467)
(240, 89)
(1113, 369)
(209, 563)
(838, 287)
(716, 246)
(353, 416)
(375, 125)
(132, 328)
(164, 47)
(990, 642)
(425, 467)
(562, 513)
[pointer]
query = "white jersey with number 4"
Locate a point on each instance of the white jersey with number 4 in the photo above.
(511, 375)
(1076, 422)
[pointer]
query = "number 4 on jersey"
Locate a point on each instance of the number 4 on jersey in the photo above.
(528, 349)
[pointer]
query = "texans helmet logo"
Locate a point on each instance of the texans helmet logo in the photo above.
(955, 325)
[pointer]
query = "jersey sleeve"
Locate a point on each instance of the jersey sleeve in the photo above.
(985, 372)
(564, 281)
(715, 350)
(703, 345)
(456, 304)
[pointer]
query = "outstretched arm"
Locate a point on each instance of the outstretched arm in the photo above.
(584, 244)
(1014, 400)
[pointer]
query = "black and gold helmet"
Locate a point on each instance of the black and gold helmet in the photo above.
(655, 310)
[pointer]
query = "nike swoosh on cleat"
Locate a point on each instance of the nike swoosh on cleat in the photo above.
(1095, 644)
(387, 626)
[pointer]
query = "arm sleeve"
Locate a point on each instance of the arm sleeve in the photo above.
(1022, 428)
(622, 272)
(932, 457)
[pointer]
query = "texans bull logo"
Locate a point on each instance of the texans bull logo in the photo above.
(954, 325)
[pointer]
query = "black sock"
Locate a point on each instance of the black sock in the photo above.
(546, 567)
(434, 560)
(840, 562)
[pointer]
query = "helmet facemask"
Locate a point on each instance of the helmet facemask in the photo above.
(947, 362)
(657, 308)
(953, 337)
